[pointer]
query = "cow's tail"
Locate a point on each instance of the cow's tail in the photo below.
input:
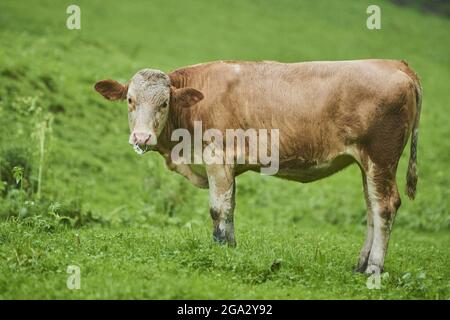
(411, 176)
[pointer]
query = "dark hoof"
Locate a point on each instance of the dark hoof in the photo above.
(374, 269)
(219, 238)
(359, 269)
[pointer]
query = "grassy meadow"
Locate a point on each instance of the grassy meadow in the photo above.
(73, 192)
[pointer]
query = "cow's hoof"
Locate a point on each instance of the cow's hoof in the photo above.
(219, 238)
(232, 243)
(360, 268)
(373, 269)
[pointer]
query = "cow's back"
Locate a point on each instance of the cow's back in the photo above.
(318, 107)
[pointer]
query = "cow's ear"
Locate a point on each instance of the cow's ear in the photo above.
(185, 97)
(111, 89)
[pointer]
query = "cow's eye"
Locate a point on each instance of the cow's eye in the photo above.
(129, 100)
(164, 105)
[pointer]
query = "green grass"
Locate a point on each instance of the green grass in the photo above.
(139, 231)
(181, 262)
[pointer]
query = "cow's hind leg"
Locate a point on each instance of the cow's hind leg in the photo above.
(384, 200)
(222, 202)
(380, 152)
(365, 251)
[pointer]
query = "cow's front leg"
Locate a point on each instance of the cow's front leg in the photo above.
(221, 202)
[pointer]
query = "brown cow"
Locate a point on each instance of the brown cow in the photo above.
(329, 115)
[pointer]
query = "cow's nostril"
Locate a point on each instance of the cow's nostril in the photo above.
(141, 138)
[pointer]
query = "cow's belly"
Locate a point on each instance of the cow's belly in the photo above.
(304, 172)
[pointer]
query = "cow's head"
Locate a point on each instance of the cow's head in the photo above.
(150, 96)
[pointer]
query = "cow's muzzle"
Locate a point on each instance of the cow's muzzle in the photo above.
(141, 141)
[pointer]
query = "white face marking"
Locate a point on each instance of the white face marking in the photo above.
(148, 101)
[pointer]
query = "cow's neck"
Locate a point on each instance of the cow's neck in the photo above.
(178, 119)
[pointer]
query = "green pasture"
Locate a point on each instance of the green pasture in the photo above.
(73, 192)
